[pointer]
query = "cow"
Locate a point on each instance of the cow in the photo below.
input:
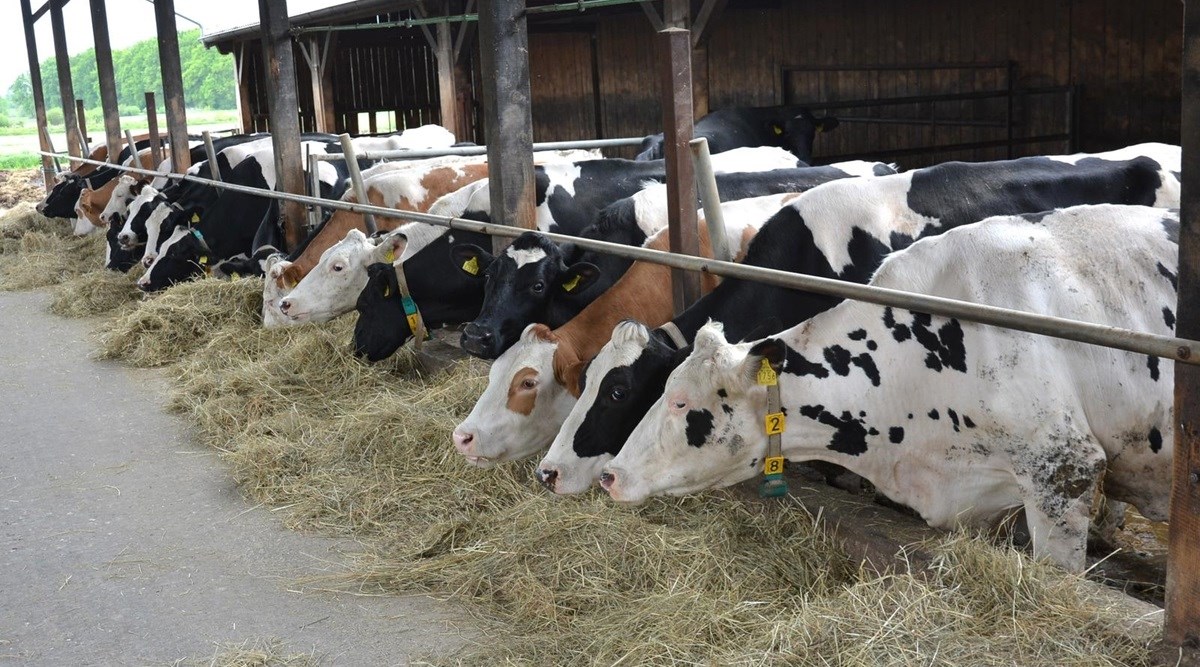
(841, 230)
(532, 386)
(93, 201)
(536, 280)
(962, 422)
(790, 127)
(60, 201)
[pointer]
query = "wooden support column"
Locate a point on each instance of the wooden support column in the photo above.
(447, 91)
(244, 106)
(284, 107)
(65, 88)
(81, 117)
(508, 123)
(675, 56)
(156, 150)
(39, 99)
(172, 80)
(108, 83)
(316, 54)
(1183, 553)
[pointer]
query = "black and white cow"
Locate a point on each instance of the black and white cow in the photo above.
(962, 422)
(790, 127)
(536, 280)
(840, 230)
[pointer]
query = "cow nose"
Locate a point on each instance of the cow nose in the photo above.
(477, 340)
(284, 306)
(40, 207)
(607, 479)
(463, 441)
(143, 285)
(548, 477)
(147, 261)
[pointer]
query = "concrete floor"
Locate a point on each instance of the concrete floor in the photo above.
(122, 542)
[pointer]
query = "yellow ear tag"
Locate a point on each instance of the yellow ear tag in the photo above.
(235, 275)
(203, 259)
(775, 423)
(767, 375)
(571, 284)
(195, 217)
(387, 291)
(471, 266)
(391, 256)
(778, 130)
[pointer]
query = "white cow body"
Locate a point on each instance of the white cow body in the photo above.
(961, 422)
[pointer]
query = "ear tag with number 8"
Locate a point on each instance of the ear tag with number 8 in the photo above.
(773, 465)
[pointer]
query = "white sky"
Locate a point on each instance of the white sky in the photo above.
(130, 21)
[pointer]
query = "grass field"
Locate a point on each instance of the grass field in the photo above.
(19, 144)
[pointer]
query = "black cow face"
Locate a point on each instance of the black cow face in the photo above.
(382, 325)
(116, 257)
(182, 260)
(800, 132)
(519, 286)
(651, 148)
(60, 203)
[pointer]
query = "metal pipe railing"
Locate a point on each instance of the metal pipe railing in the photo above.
(1167, 347)
(577, 6)
(710, 199)
(481, 150)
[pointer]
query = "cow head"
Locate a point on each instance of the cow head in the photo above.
(518, 286)
(275, 287)
(115, 257)
(127, 188)
(60, 202)
(799, 133)
(621, 384)
(382, 325)
(651, 148)
(705, 430)
(333, 285)
(524, 404)
(183, 256)
(163, 221)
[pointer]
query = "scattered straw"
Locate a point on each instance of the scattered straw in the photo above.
(36, 251)
(255, 652)
(20, 185)
(95, 293)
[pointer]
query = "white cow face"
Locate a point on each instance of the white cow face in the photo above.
(522, 407)
(118, 203)
(333, 286)
(153, 232)
(273, 291)
(694, 438)
(565, 469)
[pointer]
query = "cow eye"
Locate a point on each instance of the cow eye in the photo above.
(528, 383)
(539, 287)
(679, 405)
(618, 393)
(337, 268)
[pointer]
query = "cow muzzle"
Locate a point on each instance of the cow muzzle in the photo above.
(478, 341)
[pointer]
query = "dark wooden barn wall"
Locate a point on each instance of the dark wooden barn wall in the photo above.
(1124, 57)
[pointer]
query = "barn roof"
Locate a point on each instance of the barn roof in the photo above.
(339, 13)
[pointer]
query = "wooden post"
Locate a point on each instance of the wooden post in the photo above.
(172, 80)
(39, 100)
(316, 55)
(284, 108)
(108, 83)
(508, 123)
(65, 88)
(85, 142)
(447, 92)
(156, 152)
(244, 105)
(675, 58)
(1183, 552)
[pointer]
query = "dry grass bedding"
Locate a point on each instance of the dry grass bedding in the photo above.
(36, 251)
(254, 652)
(363, 450)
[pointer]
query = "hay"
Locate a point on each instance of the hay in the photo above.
(255, 652)
(20, 185)
(96, 293)
(36, 251)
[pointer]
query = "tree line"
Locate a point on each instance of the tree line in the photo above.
(208, 78)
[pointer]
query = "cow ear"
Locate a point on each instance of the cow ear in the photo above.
(579, 277)
(390, 248)
(826, 124)
(763, 362)
(471, 259)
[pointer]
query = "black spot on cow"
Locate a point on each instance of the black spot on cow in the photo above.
(1169, 275)
(849, 436)
(727, 409)
(910, 415)
(873, 431)
(1155, 440)
(797, 364)
(896, 434)
(699, 426)
(899, 331)
(953, 418)
(1169, 317)
(933, 414)
(862, 413)
(1171, 226)
(722, 393)
(872, 345)
(967, 422)
(946, 349)
(889, 319)
(867, 363)
(1152, 364)
(857, 334)
(838, 359)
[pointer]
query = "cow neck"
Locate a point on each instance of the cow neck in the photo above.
(416, 324)
(774, 423)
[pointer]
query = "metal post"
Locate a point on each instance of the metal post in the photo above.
(314, 190)
(63, 60)
(39, 100)
(108, 84)
(356, 180)
(284, 108)
(508, 123)
(675, 58)
(172, 81)
(710, 198)
(152, 128)
(212, 157)
(133, 150)
(1183, 551)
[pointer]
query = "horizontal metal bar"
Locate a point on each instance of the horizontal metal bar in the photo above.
(580, 6)
(480, 150)
(944, 148)
(1167, 347)
(922, 121)
(896, 67)
(947, 97)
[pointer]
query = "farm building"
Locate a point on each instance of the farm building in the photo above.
(1044, 367)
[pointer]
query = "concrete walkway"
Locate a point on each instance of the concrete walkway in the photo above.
(122, 542)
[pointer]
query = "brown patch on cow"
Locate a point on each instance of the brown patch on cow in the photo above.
(748, 235)
(789, 198)
(289, 277)
(521, 399)
(441, 181)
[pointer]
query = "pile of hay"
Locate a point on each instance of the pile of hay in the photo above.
(21, 185)
(36, 251)
(96, 293)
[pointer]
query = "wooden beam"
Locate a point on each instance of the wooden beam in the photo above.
(244, 106)
(65, 88)
(108, 83)
(316, 52)
(39, 99)
(85, 141)
(447, 91)
(464, 28)
(709, 10)
(656, 21)
(675, 51)
(172, 82)
(508, 123)
(284, 107)
(1183, 555)
(43, 9)
(156, 151)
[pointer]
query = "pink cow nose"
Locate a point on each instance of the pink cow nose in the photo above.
(284, 306)
(463, 441)
(607, 479)
(548, 477)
